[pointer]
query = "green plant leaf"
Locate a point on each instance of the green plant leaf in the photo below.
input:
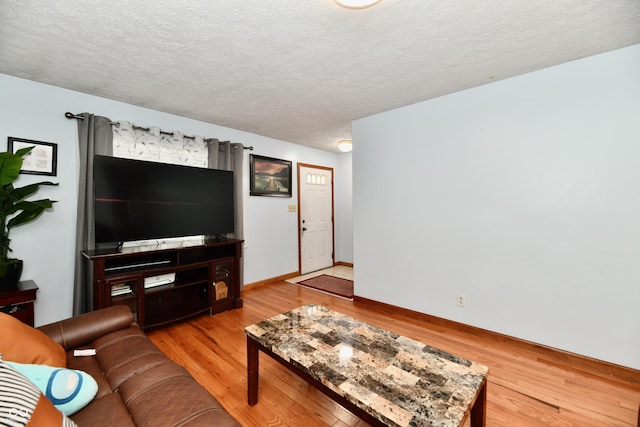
(28, 211)
(10, 164)
(23, 192)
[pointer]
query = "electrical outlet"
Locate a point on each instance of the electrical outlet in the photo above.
(460, 300)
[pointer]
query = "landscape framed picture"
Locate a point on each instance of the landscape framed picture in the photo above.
(42, 160)
(270, 177)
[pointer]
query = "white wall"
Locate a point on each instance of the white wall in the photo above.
(271, 231)
(343, 195)
(523, 195)
(36, 111)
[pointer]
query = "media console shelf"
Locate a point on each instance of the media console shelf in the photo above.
(165, 284)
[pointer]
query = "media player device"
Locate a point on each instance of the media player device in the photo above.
(162, 279)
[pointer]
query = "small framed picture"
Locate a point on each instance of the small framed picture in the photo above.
(42, 160)
(270, 177)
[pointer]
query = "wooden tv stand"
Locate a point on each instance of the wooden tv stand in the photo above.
(165, 284)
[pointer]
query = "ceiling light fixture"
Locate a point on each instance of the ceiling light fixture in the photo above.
(345, 145)
(356, 4)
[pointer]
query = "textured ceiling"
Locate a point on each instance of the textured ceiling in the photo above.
(297, 70)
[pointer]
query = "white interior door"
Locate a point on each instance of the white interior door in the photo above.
(315, 217)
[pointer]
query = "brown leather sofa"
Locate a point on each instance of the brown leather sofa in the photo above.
(137, 383)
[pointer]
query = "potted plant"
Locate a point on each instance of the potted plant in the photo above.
(14, 211)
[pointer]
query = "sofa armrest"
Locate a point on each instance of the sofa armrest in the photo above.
(77, 331)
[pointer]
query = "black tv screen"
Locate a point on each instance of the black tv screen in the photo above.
(139, 200)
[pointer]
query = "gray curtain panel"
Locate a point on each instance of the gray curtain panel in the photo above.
(228, 156)
(94, 137)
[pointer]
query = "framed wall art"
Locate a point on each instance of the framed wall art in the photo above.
(42, 160)
(270, 177)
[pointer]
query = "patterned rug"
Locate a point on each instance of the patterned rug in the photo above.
(330, 284)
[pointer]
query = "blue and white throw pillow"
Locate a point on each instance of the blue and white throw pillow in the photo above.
(22, 403)
(69, 390)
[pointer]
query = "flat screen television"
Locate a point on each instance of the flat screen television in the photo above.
(140, 200)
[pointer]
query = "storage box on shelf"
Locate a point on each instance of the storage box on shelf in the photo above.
(163, 285)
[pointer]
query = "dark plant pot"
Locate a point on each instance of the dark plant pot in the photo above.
(12, 277)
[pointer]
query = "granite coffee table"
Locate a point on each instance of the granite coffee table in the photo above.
(380, 376)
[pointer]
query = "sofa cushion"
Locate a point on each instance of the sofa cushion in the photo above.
(105, 411)
(152, 396)
(23, 404)
(125, 354)
(23, 344)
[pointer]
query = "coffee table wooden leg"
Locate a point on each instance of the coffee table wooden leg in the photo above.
(479, 409)
(252, 371)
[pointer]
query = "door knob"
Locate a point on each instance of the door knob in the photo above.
(304, 228)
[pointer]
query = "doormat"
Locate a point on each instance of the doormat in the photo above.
(330, 284)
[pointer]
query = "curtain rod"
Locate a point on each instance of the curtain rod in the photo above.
(69, 115)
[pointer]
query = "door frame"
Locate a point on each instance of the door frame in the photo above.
(333, 214)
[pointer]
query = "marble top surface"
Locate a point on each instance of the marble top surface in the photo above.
(399, 381)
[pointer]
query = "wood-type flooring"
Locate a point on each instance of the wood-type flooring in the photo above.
(525, 387)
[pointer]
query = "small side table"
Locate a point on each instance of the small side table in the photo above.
(18, 301)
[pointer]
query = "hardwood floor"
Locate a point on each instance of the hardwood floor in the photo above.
(525, 388)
